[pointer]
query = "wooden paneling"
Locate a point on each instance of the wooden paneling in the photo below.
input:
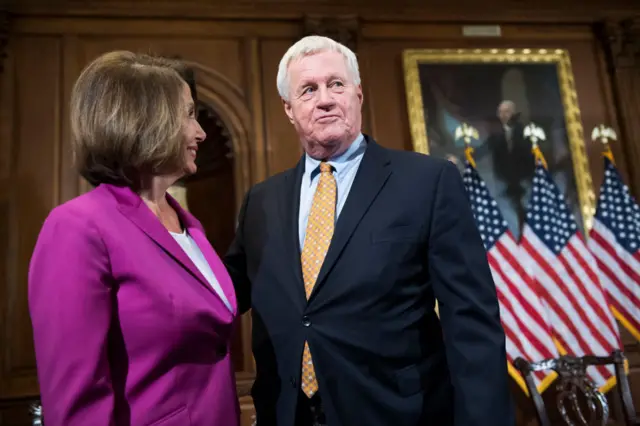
(15, 412)
(31, 179)
(621, 41)
(283, 147)
(398, 10)
(236, 62)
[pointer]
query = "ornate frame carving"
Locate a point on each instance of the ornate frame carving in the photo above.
(559, 57)
(343, 29)
(621, 40)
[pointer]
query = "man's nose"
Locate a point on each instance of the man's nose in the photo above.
(325, 99)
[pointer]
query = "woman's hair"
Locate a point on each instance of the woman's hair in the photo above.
(127, 112)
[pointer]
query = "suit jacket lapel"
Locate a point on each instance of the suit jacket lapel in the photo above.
(133, 208)
(289, 206)
(369, 180)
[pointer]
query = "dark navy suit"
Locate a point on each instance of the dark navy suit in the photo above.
(405, 237)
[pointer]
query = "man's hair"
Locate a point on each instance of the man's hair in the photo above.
(308, 46)
(127, 113)
(508, 103)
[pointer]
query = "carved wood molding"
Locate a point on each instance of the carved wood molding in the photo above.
(621, 39)
(502, 11)
(343, 29)
(4, 36)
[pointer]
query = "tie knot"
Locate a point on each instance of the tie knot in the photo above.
(325, 167)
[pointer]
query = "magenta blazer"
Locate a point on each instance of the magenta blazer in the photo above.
(127, 331)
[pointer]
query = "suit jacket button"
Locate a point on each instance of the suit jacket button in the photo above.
(292, 380)
(306, 321)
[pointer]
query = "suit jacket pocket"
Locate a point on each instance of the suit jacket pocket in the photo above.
(409, 380)
(401, 233)
(179, 417)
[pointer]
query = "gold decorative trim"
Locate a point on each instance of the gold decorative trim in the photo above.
(412, 58)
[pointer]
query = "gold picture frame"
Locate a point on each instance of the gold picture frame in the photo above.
(414, 58)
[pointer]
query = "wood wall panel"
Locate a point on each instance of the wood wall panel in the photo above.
(283, 146)
(223, 55)
(433, 11)
(254, 83)
(7, 114)
(237, 62)
(72, 64)
(33, 188)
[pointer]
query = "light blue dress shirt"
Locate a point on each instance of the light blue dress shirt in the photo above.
(345, 167)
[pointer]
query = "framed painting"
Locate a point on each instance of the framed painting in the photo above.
(499, 92)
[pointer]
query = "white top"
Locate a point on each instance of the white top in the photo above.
(195, 254)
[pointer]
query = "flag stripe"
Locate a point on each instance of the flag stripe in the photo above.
(613, 267)
(526, 302)
(568, 341)
(619, 279)
(517, 347)
(522, 282)
(615, 244)
(527, 331)
(628, 264)
(560, 295)
(596, 302)
(536, 349)
(557, 257)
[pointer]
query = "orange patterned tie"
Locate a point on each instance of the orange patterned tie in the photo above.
(316, 243)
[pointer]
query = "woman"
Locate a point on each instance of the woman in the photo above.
(132, 309)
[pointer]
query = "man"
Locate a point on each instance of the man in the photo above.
(512, 154)
(341, 259)
(513, 163)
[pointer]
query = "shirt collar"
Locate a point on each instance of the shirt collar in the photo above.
(339, 162)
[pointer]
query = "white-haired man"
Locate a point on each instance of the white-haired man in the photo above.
(341, 259)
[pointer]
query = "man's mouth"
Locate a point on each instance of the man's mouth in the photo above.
(327, 119)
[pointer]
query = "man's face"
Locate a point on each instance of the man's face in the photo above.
(505, 112)
(324, 105)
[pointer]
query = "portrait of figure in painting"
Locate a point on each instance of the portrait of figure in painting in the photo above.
(498, 99)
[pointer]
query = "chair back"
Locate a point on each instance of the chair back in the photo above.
(36, 414)
(578, 400)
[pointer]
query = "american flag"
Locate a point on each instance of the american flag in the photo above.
(557, 256)
(615, 242)
(526, 327)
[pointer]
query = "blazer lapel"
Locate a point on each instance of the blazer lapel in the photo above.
(196, 231)
(133, 208)
(289, 205)
(369, 180)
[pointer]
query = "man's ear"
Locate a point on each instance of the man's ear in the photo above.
(288, 110)
(359, 93)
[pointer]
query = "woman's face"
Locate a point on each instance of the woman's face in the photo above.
(193, 133)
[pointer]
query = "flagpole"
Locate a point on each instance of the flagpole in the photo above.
(465, 132)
